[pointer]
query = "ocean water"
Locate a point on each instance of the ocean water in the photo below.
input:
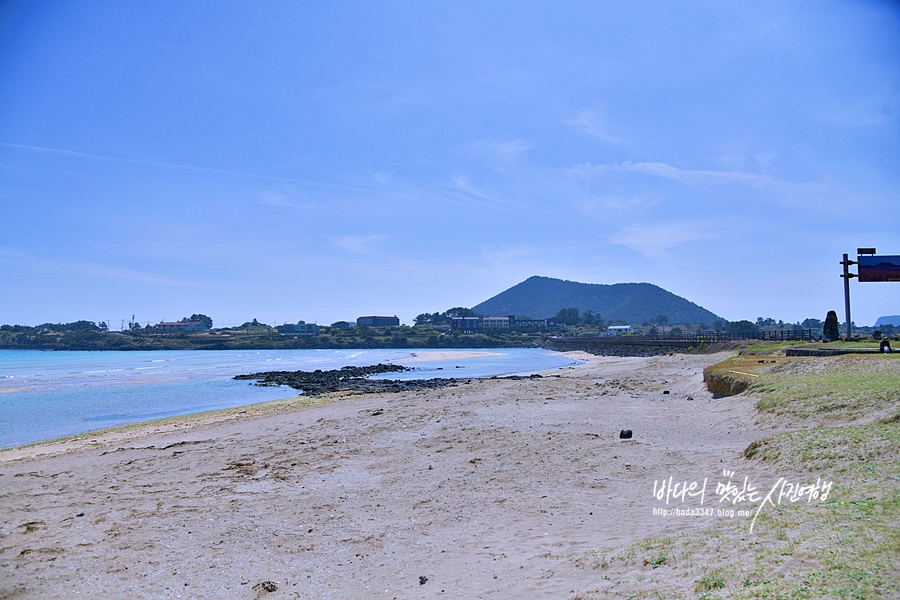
(46, 395)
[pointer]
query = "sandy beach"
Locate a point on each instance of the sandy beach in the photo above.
(494, 489)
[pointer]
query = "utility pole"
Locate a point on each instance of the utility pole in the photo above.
(847, 275)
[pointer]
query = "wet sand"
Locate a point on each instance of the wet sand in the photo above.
(483, 490)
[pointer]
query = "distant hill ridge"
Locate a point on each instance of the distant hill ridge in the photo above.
(543, 297)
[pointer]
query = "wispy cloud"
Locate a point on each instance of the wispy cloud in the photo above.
(281, 199)
(692, 176)
(360, 244)
(656, 240)
(602, 205)
(506, 152)
(593, 125)
(498, 199)
(171, 165)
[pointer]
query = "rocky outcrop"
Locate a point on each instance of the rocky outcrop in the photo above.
(318, 382)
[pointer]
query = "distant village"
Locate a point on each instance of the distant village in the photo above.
(464, 325)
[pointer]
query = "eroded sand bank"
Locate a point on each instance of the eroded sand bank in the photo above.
(486, 490)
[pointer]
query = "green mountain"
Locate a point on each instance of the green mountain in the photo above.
(543, 297)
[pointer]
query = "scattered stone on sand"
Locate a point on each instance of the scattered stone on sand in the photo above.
(625, 434)
(423, 580)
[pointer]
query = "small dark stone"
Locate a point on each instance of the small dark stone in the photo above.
(625, 434)
(80, 515)
(423, 580)
(690, 397)
(665, 391)
(266, 586)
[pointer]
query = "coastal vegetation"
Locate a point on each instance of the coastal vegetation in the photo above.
(251, 335)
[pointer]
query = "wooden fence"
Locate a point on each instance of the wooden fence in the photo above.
(779, 335)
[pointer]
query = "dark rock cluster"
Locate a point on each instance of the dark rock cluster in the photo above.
(315, 383)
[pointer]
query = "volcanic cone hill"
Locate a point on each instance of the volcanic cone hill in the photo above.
(543, 297)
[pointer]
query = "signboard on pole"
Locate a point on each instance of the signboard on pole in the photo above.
(879, 268)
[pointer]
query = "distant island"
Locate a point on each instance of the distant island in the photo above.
(892, 320)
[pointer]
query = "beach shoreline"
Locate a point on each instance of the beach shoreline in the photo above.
(478, 488)
(63, 394)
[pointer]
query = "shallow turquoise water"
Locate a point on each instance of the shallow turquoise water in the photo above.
(44, 395)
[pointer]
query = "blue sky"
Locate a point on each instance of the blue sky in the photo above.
(325, 160)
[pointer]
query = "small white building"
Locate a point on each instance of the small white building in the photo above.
(619, 329)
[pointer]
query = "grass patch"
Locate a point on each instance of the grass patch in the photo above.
(714, 579)
(771, 348)
(829, 390)
(805, 391)
(737, 374)
(826, 449)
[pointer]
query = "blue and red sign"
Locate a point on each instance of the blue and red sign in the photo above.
(879, 268)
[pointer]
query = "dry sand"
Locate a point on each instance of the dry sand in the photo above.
(481, 489)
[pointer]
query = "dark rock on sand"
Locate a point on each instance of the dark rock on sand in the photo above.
(625, 434)
(315, 383)
(264, 587)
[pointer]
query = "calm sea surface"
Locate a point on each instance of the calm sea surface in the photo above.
(45, 395)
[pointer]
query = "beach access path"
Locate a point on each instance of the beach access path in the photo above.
(491, 489)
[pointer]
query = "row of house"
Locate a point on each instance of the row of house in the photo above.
(511, 323)
(507, 323)
(302, 328)
(368, 321)
(181, 326)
